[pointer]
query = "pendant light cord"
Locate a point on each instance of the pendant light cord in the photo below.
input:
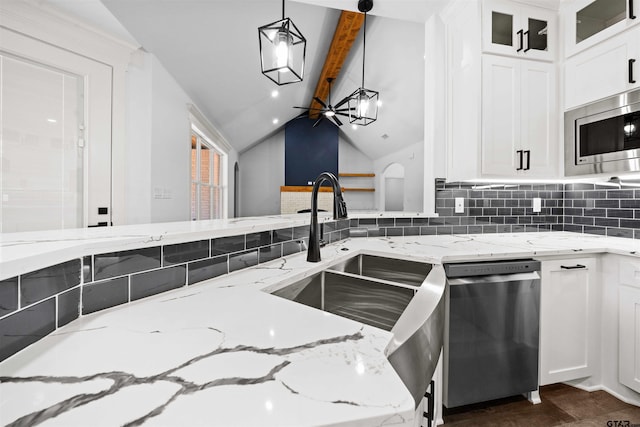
(283, 10)
(364, 46)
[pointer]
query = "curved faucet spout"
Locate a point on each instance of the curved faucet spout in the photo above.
(339, 212)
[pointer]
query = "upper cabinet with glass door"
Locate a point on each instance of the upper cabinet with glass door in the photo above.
(589, 22)
(515, 29)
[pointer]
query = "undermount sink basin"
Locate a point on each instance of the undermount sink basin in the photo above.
(391, 294)
(369, 289)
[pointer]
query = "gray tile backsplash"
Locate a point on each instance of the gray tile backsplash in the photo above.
(35, 303)
(41, 284)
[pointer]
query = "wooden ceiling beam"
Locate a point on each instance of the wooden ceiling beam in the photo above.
(346, 32)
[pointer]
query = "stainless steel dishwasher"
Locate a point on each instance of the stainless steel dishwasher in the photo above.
(491, 331)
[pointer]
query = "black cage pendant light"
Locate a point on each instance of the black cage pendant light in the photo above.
(282, 51)
(363, 103)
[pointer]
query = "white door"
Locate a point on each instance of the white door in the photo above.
(568, 319)
(603, 70)
(538, 121)
(42, 83)
(500, 116)
(42, 175)
(629, 352)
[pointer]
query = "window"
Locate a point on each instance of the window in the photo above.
(208, 177)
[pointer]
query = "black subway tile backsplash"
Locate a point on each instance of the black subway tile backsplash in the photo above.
(241, 260)
(27, 326)
(125, 262)
(105, 294)
(154, 282)
(87, 269)
(184, 252)
(255, 240)
(225, 245)
(207, 269)
(8, 296)
(68, 306)
(282, 235)
(269, 253)
(293, 247)
(49, 281)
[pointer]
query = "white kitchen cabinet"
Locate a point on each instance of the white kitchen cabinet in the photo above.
(515, 29)
(568, 319)
(629, 324)
(499, 108)
(519, 123)
(589, 22)
(607, 69)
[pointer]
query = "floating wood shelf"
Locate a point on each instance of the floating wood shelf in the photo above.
(308, 188)
(357, 175)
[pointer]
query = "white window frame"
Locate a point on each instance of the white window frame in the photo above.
(209, 136)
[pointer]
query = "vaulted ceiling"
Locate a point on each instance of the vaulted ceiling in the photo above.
(211, 49)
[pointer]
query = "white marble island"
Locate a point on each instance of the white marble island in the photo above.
(225, 352)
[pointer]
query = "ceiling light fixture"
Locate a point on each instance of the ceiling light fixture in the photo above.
(363, 103)
(282, 51)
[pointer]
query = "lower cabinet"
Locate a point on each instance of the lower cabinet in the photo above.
(568, 319)
(629, 325)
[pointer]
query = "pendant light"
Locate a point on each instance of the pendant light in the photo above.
(363, 103)
(282, 51)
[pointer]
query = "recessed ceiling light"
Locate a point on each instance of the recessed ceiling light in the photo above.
(354, 127)
(274, 93)
(384, 136)
(52, 120)
(275, 121)
(379, 103)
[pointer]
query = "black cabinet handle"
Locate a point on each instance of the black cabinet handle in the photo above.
(520, 154)
(528, 41)
(520, 35)
(573, 267)
(528, 153)
(631, 14)
(631, 79)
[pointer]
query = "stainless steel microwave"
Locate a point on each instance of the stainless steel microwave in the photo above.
(603, 137)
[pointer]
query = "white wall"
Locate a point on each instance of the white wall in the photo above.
(170, 148)
(412, 158)
(352, 160)
(138, 127)
(261, 175)
(434, 109)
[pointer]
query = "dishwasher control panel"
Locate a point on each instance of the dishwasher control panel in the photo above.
(488, 268)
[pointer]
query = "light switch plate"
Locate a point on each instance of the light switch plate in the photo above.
(459, 206)
(537, 204)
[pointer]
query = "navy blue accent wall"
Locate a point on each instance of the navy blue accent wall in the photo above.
(309, 151)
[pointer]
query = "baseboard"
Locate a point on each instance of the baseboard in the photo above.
(605, 389)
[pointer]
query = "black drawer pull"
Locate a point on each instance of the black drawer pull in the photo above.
(528, 41)
(519, 152)
(631, 79)
(573, 267)
(631, 14)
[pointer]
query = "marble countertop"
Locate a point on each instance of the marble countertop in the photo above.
(226, 352)
(19, 252)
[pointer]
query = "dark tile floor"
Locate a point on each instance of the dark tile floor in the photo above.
(562, 405)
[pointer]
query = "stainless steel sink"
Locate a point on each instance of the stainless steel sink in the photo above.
(393, 270)
(369, 289)
(404, 297)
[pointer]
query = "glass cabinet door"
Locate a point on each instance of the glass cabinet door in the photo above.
(501, 28)
(513, 29)
(598, 16)
(536, 34)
